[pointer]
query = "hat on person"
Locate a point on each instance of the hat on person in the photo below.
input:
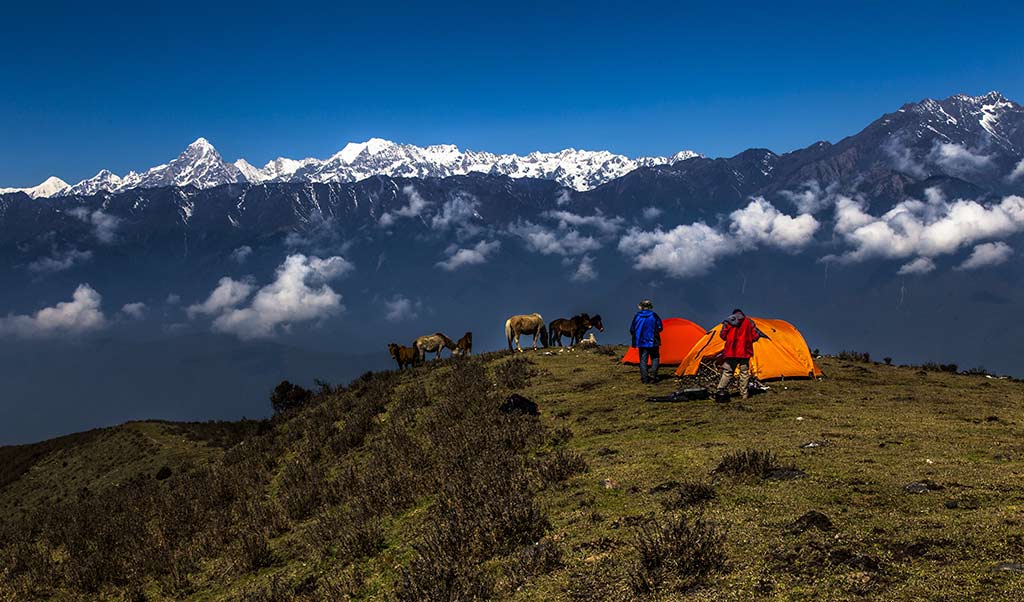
(646, 304)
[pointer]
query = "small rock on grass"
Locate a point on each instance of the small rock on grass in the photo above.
(666, 486)
(784, 474)
(1008, 567)
(811, 520)
(922, 486)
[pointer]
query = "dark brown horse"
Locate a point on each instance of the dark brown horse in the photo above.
(404, 356)
(574, 328)
(464, 346)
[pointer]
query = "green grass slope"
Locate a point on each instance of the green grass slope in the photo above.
(51, 472)
(878, 482)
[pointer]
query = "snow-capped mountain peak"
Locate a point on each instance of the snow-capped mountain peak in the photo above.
(103, 181)
(200, 165)
(51, 186)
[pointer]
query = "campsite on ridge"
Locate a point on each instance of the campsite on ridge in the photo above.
(880, 481)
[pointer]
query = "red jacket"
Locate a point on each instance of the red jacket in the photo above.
(739, 340)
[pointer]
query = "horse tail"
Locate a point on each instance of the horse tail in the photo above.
(543, 335)
(508, 333)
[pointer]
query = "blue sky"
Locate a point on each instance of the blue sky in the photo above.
(85, 86)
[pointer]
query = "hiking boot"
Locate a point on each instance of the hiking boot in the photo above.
(721, 397)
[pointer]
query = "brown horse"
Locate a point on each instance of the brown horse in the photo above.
(464, 346)
(405, 356)
(526, 324)
(574, 328)
(430, 343)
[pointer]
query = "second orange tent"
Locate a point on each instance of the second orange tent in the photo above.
(677, 338)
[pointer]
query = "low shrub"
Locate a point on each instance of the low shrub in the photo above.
(515, 373)
(688, 494)
(559, 465)
(854, 356)
(288, 397)
(346, 535)
(747, 462)
(679, 552)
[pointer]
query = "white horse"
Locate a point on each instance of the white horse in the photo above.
(526, 324)
(431, 343)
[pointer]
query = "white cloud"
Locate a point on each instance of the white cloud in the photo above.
(914, 228)
(173, 299)
(457, 211)
(921, 265)
(586, 271)
(399, 308)
(104, 225)
(958, 159)
(987, 255)
(414, 208)
(686, 250)
(228, 293)
(693, 249)
(59, 261)
(1017, 172)
(903, 159)
(241, 254)
(540, 239)
(135, 311)
(80, 315)
(299, 293)
(651, 213)
(811, 199)
(761, 222)
(564, 197)
(598, 221)
(934, 195)
(319, 236)
(476, 255)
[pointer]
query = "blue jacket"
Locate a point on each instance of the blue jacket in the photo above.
(646, 329)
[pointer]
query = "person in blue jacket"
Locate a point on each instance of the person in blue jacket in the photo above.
(646, 333)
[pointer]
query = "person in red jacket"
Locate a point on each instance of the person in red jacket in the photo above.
(739, 333)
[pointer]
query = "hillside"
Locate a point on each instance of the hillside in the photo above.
(413, 486)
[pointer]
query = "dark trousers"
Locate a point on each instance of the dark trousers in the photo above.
(655, 355)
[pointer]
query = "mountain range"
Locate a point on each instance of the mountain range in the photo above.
(201, 166)
(899, 240)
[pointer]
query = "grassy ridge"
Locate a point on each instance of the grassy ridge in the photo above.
(879, 481)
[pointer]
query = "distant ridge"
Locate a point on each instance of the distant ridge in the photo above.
(200, 165)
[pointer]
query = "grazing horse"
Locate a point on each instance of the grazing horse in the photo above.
(574, 327)
(464, 346)
(405, 356)
(433, 342)
(526, 324)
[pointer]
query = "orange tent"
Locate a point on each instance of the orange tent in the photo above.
(783, 354)
(677, 337)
